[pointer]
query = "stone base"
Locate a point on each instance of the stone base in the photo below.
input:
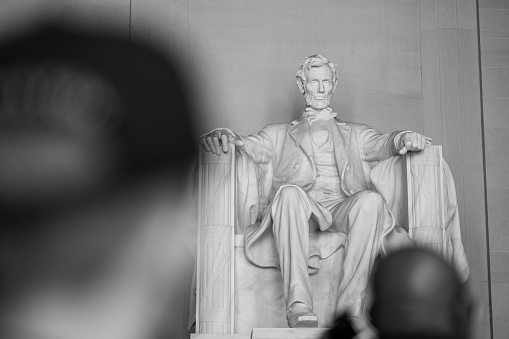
(288, 333)
(270, 333)
(219, 336)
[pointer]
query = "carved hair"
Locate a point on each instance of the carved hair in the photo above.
(316, 60)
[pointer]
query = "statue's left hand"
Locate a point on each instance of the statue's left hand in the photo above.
(218, 140)
(413, 142)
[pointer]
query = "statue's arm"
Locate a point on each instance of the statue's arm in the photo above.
(409, 141)
(258, 146)
(376, 146)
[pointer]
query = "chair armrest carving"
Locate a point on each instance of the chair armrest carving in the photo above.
(426, 210)
(215, 259)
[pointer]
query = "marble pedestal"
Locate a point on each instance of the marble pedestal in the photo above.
(270, 333)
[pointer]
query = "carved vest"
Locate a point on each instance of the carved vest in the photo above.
(327, 187)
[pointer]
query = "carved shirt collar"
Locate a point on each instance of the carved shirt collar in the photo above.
(313, 115)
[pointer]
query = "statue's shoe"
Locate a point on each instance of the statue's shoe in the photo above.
(306, 319)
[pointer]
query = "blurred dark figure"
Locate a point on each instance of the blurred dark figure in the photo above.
(95, 140)
(416, 295)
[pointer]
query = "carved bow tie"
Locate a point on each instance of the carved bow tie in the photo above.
(315, 115)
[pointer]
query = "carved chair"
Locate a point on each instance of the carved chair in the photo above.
(235, 296)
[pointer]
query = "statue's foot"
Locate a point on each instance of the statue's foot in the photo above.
(301, 315)
(303, 320)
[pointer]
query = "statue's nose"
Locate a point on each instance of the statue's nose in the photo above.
(321, 88)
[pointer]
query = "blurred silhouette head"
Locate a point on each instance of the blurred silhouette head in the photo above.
(83, 118)
(418, 295)
(82, 113)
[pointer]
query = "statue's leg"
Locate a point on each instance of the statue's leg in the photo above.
(291, 212)
(364, 215)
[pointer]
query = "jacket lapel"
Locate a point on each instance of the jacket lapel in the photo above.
(300, 133)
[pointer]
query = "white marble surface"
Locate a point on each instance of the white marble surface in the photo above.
(269, 333)
(259, 293)
(284, 333)
(219, 336)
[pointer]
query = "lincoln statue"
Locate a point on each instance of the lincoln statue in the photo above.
(314, 178)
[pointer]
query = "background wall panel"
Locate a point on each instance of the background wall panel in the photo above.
(446, 10)
(494, 32)
(430, 63)
(456, 116)
(495, 53)
(474, 225)
(493, 23)
(250, 51)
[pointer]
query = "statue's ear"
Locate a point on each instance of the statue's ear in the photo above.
(300, 84)
(334, 85)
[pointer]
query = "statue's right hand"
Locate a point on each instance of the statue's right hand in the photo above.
(219, 139)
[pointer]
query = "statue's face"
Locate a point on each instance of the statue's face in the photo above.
(318, 87)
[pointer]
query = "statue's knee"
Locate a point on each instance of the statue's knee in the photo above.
(370, 199)
(397, 239)
(289, 193)
(289, 198)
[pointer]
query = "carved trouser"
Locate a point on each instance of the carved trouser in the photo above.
(362, 216)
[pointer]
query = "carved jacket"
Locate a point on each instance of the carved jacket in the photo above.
(283, 155)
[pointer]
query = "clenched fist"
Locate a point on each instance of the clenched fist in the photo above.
(218, 140)
(412, 142)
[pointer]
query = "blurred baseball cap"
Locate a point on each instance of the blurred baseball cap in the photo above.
(83, 115)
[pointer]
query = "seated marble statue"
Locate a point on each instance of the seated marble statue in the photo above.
(315, 195)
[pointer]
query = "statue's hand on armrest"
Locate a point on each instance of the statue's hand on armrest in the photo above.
(411, 142)
(218, 140)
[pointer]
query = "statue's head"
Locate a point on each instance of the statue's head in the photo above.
(317, 79)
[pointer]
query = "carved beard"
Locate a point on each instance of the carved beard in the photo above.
(317, 104)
